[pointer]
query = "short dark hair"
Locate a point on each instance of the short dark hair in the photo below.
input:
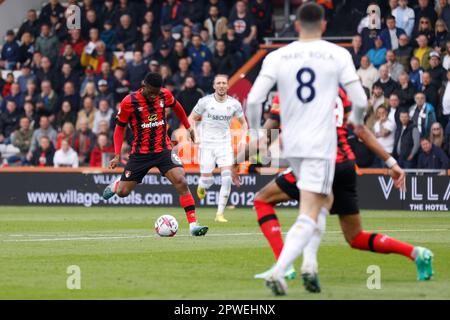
(153, 79)
(310, 13)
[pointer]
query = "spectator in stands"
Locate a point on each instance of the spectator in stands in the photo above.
(97, 57)
(136, 70)
(404, 52)
(29, 113)
(87, 112)
(187, 36)
(121, 85)
(7, 86)
(416, 73)
(126, 34)
(171, 15)
(89, 21)
(437, 136)
(404, 17)
(356, 50)
(21, 139)
(124, 7)
(245, 28)
(198, 53)
(108, 11)
(192, 14)
(26, 76)
(103, 128)
(183, 72)
(14, 96)
(46, 72)
(154, 7)
(53, 6)
(426, 29)
(377, 55)
(163, 56)
(47, 43)
(424, 9)
(108, 35)
(422, 114)
(431, 156)
(437, 72)
(26, 50)
(407, 142)
(367, 72)
(206, 78)
(207, 40)
(441, 36)
(391, 34)
(447, 139)
(75, 41)
(71, 95)
(376, 100)
(394, 109)
(65, 156)
(84, 142)
(69, 56)
(179, 52)
(67, 75)
(48, 97)
(430, 91)
(57, 27)
(223, 62)
(104, 93)
(146, 34)
(30, 94)
(65, 115)
(385, 81)
(67, 133)
(262, 14)
(384, 130)
(103, 146)
(166, 73)
(30, 25)
(423, 51)
(405, 91)
(148, 53)
(104, 113)
(166, 38)
(215, 23)
(9, 121)
(43, 155)
(394, 68)
(10, 52)
(189, 96)
(106, 75)
(44, 130)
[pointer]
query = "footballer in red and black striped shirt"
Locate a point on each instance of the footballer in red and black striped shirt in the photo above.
(345, 205)
(144, 111)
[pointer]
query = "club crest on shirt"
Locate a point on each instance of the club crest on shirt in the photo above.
(153, 117)
(127, 174)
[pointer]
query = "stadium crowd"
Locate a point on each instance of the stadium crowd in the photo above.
(60, 89)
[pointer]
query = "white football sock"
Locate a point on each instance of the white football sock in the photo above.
(206, 182)
(192, 225)
(296, 240)
(310, 264)
(225, 190)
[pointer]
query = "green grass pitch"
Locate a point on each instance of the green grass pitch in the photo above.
(120, 256)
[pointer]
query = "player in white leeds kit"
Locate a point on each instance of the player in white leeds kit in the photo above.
(307, 73)
(214, 114)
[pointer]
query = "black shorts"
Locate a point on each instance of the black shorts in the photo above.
(344, 188)
(139, 164)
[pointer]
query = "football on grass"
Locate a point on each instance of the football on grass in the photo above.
(166, 226)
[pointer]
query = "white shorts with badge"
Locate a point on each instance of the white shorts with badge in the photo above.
(209, 156)
(314, 175)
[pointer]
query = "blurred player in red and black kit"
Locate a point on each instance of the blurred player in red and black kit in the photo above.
(144, 110)
(345, 205)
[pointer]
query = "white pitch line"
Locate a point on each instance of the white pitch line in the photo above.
(87, 238)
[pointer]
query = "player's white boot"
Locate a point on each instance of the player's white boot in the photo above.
(290, 273)
(277, 284)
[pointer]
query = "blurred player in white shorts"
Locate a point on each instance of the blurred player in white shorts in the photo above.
(307, 73)
(212, 117)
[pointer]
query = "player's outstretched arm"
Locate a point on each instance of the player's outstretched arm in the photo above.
(371, 142)
(119, 133)
(357, 96)
(256, 97)
(181, 115)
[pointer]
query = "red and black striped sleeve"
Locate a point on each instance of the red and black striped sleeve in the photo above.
(125, 111)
